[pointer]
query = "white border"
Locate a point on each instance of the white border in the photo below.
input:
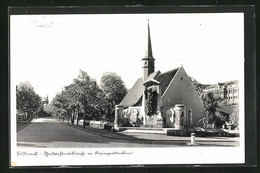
(138, 156)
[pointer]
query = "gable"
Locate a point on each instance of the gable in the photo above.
(181, 91)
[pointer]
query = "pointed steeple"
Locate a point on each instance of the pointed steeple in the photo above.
(148, 48)
(148, 60)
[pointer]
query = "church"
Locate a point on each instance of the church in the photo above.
(159, 100)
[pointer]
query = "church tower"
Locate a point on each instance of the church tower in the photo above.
(148, 60)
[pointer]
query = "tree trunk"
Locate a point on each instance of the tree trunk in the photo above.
(84, 119)
(72, 117)
(78, 116)
(30, 116)
(85, 112)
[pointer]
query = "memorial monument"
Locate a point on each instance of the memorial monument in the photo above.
(159, 100)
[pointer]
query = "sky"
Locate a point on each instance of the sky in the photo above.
(49, 50)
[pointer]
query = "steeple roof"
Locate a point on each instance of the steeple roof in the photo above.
(148, 46)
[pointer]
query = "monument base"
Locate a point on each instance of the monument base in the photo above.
(153, 121)
(176, 132)
(151, 126)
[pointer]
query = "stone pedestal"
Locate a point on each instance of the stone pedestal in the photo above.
(169, 118)
(118, 115)
(143, 110)
(159, 123)
(180, 116)
(154, 119)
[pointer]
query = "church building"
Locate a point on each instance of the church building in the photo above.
(159, 100)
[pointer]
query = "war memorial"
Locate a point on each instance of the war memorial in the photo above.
(159, 100)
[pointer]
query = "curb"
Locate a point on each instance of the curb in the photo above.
(118, 138)
(27, 124)
(96, 133)
(182, 143)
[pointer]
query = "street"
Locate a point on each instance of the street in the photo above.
(51, 133)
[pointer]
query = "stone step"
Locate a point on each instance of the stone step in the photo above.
(141, 128)
(145, 131)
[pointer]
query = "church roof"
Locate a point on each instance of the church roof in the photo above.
(133, 94)
(136, 92)
(166, 78)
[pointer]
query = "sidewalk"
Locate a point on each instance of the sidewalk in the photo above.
(22, 124)
(202, 141)
(103, 132)
(128, 135)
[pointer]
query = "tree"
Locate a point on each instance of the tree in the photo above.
(27, 101)
(114, 91)
(212, 117)
(198, 86)
(77, 100)
(84, 99)
(71, 99)
(88, 95)
(66, 103)
(47, 100)
(234, 117)
(49, 109)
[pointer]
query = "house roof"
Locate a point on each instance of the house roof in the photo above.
(229, 109)
(204, 86)
(136, 92)
(213, 86)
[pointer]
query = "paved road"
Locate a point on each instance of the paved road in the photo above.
(50, 133)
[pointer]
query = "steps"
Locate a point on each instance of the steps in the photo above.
(150, 130)
(142, 130)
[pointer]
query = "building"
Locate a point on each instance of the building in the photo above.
(45, 100)
(160, 99)
(228, 91)
(229, 106)
(232, 92)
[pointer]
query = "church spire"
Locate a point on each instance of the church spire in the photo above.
(148, 60)
(148, 48)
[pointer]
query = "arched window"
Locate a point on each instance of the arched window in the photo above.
(182, 119)
(173, 116)
(189, 117)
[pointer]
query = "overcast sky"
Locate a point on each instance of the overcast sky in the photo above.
(49, 50)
